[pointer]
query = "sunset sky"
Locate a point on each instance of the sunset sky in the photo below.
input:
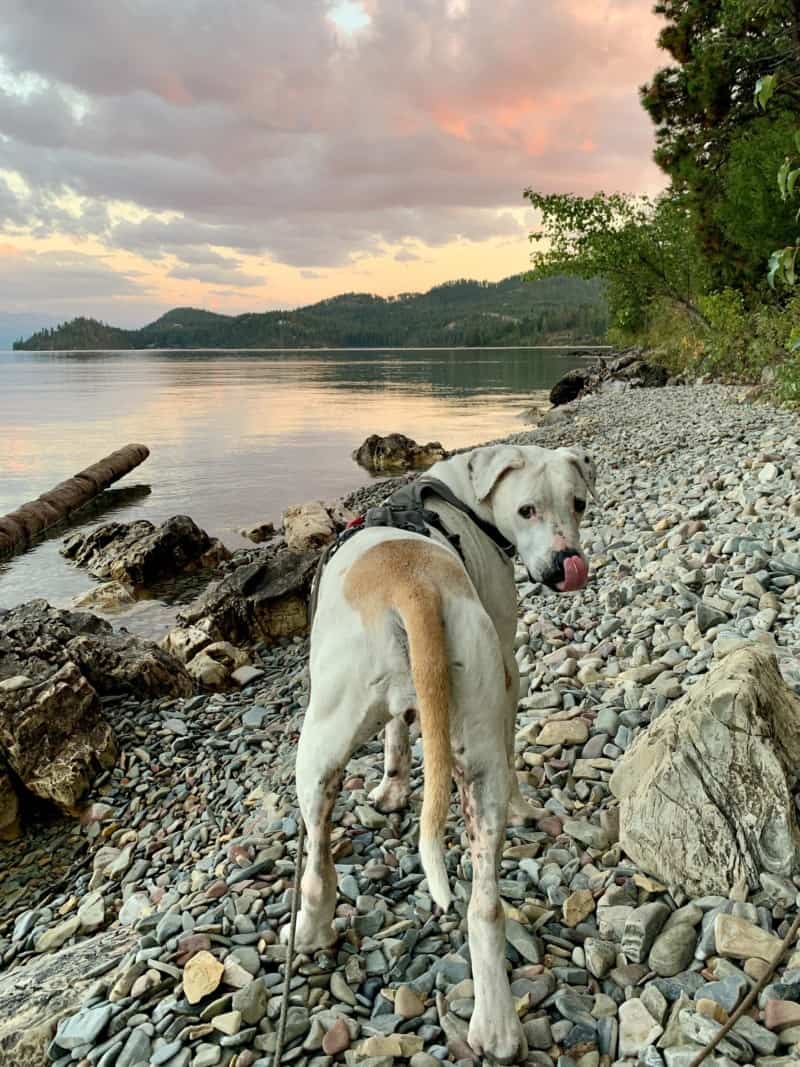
(270, 153)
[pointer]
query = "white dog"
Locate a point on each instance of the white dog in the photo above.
(406, 626)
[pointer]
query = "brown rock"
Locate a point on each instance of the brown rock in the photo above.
(563, 732)
(337, 1039)
(260, 601)
(578, 906)
(55, 737)
(778, 1014)
(308, 526)
(397, 452)
(408, 1003)
(9, 805)
(139, 554)
(190, 945)
(739, 939)
(201, 976)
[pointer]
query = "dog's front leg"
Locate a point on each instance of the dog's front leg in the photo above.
(392, 793)
(519, 810)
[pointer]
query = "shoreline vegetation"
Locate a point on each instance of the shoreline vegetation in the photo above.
(460, 314)
(704, 275)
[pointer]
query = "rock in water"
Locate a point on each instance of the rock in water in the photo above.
(704, 799)
(397, 452)
(138, 554)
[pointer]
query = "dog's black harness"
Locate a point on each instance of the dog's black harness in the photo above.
(405, 510)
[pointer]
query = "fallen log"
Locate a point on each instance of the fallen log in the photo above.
(19, 529)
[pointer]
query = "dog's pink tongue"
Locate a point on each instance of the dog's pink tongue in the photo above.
(576, 571)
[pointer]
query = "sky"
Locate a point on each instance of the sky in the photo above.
(272, 153)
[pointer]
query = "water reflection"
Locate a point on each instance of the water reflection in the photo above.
(237, 436)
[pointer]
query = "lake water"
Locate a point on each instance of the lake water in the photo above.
(235, 437)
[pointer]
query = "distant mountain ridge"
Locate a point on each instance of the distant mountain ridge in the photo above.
(459, 313)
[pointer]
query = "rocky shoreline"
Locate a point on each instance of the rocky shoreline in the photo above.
(150, 927)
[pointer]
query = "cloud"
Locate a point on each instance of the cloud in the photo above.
(216, 275)
(279, 132)
(63, 276)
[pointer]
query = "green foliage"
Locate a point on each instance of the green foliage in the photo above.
(738, 343)
(458, 313)
(644, 250)
(732, 58)
(751, 212)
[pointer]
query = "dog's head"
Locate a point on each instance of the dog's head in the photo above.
(537, 498)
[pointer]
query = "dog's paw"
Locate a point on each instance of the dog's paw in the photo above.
(497, 1034)
(309, 938)
(391, 795)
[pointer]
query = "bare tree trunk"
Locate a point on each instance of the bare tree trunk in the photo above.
(19, 529)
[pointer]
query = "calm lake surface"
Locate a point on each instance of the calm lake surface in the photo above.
(235, 437)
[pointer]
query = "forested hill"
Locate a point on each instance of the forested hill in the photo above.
(513, 311)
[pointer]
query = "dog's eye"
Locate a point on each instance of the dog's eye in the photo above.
(580, 506)
(527, 511)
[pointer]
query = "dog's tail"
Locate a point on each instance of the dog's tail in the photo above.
(421, 612)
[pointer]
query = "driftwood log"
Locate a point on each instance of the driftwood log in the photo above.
(19, 529)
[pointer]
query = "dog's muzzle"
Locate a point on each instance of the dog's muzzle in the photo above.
(568, 571)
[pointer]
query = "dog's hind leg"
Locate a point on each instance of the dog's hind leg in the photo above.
(322, 754)
(392, 793)
(494, 1028)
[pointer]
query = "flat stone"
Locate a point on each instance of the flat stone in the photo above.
(673, 950)
(739, 939)
(56, 936)
(201, 976)
(526, 945)
(83, 1028)
(228, 1022)
(578, 906)
(337, 1039)
(243, 676)
(637, 1028)
(408, 1003)
(563, 732)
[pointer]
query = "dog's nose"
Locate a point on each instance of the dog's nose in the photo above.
(557, 576)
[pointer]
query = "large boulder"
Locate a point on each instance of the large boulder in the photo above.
(36, 639)
(9, 804)
(397, 452)
(139, 554)
(54, 667)
(570, 386)
(263, 600)
(704, 798)
(49, 987)
(54, 736)
(626, 370)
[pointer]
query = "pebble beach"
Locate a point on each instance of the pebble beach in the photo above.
(150, 926)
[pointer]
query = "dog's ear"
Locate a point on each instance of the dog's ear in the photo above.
(584, 464)
(488, 465)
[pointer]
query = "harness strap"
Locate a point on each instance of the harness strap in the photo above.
(405, 510)
(425, 486)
